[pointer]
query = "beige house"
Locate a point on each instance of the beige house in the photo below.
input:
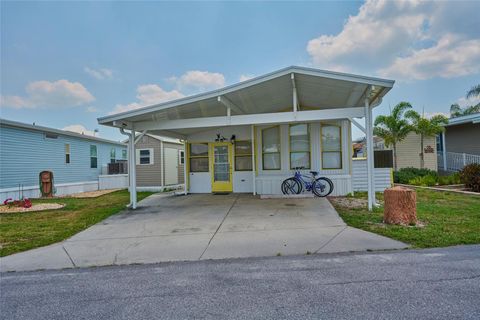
(159, 162)
(408, 152)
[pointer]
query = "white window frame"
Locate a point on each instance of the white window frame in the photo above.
(150, 157)
(181, 156)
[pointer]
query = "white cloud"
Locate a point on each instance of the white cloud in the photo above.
(405, 39)
(78, 128)
(450, 57)
(100, 74)
(60, 93)
(148, 94)
(464, 102)
(197, 81)
(245, 77)
(92, 109)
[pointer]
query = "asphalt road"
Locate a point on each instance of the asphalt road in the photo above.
(427, 284)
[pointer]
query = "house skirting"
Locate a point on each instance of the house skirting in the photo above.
(60, 189)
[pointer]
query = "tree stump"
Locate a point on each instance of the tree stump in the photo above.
(400, 206)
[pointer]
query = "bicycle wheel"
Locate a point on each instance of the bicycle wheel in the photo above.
(321, 187)
(291, 186)
(331, 184)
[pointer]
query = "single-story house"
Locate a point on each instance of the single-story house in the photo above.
(160, 162)
(76, 160)
(459, 144)
(248, 137)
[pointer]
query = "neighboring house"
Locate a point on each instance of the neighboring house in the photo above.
(249, 136)
(408, 152)
(160, 162)
(76, 160)
(359, 149)
(459, 144)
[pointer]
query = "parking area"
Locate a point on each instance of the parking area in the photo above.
(205, 226)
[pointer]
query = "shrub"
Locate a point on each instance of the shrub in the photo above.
(405, 175)
(470, 176)
(451, 179)
(425, 181)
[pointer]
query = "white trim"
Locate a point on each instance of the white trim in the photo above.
(150, 157)
(264, 118)
(180, 157)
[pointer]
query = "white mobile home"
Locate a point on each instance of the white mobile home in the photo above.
(247, 137)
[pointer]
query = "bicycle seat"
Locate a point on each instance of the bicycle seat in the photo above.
(315, 173)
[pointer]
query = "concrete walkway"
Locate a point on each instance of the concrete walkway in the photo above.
(195, 227)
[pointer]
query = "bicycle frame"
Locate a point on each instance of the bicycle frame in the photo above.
(307, 184)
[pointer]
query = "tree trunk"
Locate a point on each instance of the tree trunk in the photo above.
(400, 206)
(422, 160)
(395, 168)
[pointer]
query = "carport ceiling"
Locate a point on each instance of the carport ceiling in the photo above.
(273, 92)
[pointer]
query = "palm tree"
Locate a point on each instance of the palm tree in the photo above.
(455, 110)
(393, 128)
(425, 127)
(474, 92)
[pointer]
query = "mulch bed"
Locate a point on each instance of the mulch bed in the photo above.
(35, 207)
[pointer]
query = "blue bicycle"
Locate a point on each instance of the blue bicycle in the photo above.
(321, 187)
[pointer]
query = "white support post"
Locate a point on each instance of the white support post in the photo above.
(253, 162)
(370, 161)
(295, 96)
(133, 171)
(162, 164)
(444, 151)
(185, 173)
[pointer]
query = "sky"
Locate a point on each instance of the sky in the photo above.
(64, 64)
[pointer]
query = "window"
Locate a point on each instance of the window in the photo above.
(93, 156)
(124, 154)
(299, 146)
(181, 157)
(112, 155)
(243, 156)
(49, 135)
(145, 156)
(199, 157)
(67, 153)
(331, 147)
(271, 148)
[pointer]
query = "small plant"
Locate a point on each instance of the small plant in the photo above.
(451, 179)
(23, 203)
(470, 176)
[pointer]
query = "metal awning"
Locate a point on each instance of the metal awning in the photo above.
(309, 89)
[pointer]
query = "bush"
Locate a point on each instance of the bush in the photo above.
(470, 176)
(405, 175)
(425, 181)
(451, 179)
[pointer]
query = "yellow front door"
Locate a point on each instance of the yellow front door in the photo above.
(221, 166)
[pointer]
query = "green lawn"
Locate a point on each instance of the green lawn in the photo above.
(23, 231)
(449, 218)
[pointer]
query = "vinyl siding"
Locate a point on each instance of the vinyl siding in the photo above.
(408, 152)
(25, 153)
(463, 138)
(150, 175)
(153, 175)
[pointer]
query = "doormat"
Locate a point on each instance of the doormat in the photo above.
(221, 193)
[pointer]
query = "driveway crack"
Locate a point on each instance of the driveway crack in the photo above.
(331, 239)
(69, 257)
(219, 226)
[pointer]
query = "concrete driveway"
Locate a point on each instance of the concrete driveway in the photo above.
(193, 227)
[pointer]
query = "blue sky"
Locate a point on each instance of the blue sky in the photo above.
(65, 64)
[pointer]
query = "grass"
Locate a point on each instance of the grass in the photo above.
(449, 218)
(28, 230)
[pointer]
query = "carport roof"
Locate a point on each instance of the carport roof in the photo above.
(273, 92)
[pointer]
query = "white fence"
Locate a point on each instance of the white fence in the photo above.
(456, 161)
(382, 176)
